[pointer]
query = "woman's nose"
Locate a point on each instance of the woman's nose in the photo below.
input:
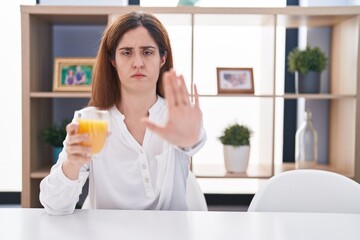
(138, 62)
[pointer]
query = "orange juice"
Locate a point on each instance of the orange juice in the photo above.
(97, 130)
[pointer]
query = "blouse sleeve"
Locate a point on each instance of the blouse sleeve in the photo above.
(194, 149)
(59, 194)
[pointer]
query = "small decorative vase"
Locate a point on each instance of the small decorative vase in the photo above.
(187, 2)
(56, 151)
(308, 82)
(236, 158)
(306, 143)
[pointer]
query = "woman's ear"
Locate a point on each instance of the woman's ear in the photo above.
(163, 59)
(113, 63)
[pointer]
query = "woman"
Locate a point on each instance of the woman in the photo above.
(145, 162)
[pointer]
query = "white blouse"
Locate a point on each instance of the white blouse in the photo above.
(125, 175)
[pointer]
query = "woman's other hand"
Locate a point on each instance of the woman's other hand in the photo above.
(77, 155)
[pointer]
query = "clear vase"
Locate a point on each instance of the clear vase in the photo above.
(306, 143)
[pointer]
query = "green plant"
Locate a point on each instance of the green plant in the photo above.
(310, 59)
(236, 135)
(55, 135)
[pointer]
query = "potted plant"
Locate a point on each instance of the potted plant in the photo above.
(307, 65)
(55, 136)
(236, 146)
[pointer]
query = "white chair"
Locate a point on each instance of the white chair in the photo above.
(86, 204)
(307, 191)
(195, 199)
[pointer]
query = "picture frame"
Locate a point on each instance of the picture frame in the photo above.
(235, 80)
(73, 74)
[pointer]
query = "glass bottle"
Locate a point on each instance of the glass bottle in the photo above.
(306, 143)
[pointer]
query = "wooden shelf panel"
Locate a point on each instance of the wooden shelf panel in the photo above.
(310, 21)
(40, 173)
(285, 96)
(291, 166)
(238, 95)
(108, 10)
(291, 17)
(257, 171)
(317, 96)
(60, 95)
(218, 171)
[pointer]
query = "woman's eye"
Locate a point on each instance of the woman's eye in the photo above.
(126, 53)
(147, 52)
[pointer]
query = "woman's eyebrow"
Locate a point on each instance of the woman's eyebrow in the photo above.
(142, 47)
(146, 47)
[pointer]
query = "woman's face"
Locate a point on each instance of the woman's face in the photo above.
(138, 62)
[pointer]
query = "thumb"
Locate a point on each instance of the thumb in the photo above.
(153, 127)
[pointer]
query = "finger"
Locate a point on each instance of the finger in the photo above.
(196, 96)
(167, 89)
(153, 127)
(175, 89)
(72, 128)
(79, 150)
(77, 139)
(79, 158)
(184, 94)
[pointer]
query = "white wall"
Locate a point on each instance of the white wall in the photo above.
(10, 95)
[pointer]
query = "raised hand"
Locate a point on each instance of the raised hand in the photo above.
(184, 120)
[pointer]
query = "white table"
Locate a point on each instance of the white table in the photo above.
(35, 224)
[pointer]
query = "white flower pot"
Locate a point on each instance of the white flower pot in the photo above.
(236, 158)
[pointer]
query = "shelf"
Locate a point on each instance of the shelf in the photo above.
(237, 95)
(328, 12)
(40, 173)
(60, 95)
(256, 171)
(218, 171)
(261, 26)
(317, 96)
(286, 96)
(291, 166)
(310, 21)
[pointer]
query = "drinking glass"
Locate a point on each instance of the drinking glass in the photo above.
(96, 123)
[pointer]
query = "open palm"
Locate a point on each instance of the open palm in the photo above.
(184, 120)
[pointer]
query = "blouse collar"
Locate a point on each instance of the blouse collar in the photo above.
(153, 109)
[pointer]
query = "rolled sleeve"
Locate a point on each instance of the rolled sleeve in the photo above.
(59, 194)
(194, 149)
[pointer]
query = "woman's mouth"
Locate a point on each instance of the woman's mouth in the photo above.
(138, 76)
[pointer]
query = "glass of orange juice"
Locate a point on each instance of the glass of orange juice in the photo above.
(96, 123)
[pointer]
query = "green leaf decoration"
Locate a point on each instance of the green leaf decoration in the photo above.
(310, 59)
(55, 135)
(236, 135)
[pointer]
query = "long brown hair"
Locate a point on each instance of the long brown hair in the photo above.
(105, 80)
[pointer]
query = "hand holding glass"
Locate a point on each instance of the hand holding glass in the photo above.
(95, 123)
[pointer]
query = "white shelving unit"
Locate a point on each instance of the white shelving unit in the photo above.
(259, 25)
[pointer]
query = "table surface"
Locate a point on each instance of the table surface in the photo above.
(22, 223)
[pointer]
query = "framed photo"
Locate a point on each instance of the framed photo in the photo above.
(235, 80)
(73, 74)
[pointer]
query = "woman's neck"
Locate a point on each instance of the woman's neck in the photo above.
(136, 105)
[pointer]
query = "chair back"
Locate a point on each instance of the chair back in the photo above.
(307, 191)
(195, 198)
